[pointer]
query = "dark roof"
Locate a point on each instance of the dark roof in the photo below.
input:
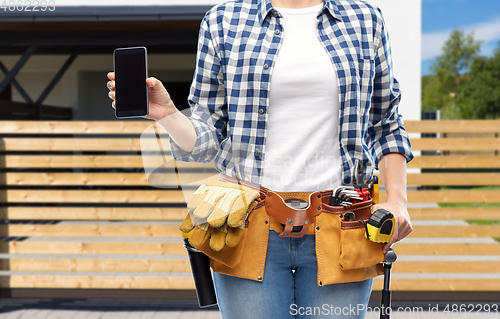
(94, 30)
(107, 13)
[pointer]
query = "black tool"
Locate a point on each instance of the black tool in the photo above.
(385, 303)
(359, 176)
(200, 266)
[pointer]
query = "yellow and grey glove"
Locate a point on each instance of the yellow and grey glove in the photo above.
(218, 211)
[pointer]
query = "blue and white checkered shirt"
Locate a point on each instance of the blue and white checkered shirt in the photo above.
(238, 45)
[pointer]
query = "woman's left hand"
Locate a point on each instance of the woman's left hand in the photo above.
(403, 225)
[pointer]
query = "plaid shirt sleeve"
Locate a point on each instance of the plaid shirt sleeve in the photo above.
(207, 101)
(386, 132)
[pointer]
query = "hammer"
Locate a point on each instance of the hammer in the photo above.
(385, 304)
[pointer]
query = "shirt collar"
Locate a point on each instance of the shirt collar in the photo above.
(265, 6)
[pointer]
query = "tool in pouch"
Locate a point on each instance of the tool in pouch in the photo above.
(380, 225)
(378, 228)
(218, 212)
(200, 267)
(296, 211)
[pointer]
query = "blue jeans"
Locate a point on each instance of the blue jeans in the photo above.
(289, 288)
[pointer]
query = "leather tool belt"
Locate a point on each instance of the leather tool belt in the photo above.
(296, 222)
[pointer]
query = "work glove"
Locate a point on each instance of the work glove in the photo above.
(218, 210)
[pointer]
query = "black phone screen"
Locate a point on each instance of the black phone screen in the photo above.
(131, 72)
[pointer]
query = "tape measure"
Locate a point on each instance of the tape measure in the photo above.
(380, 226)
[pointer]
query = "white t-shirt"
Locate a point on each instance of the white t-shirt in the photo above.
(302, 151)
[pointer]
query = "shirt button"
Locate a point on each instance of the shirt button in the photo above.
(257, 154)
(266, 66)
(261, 111)
(277, 32)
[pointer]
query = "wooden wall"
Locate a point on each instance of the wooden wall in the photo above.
(78, 212)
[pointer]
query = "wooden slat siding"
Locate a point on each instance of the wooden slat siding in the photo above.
(114, 161)
(175, 196)
(83, 179)
(3, 178)
(451, 196)
(123, 231)
(97, 196)
(99, 262)
(438, 284)
(147, 213)
(455, 144)
(453, 126)
(92, 213)
(438, 266)
(73, 127)
(137, 127)
(168, 231)
(96, 282)
(454, 213)
(403, 248)
(72, 264)
(456, 231)
(75, 144)
(133, 144)
(455, 161)
(454, 179)
(162, 283)
(139, 179)
(167, 248)
(91, 161)
(451, 179)
(183, 265)
(99, 179)
(93, 248)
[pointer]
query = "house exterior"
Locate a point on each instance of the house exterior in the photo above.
(72, 44)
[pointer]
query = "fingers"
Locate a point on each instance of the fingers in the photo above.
(405, 231)
(153, 83)
(187, 224)
(112, 95)
(111, 87)
(402, 229)
(150, 82)
(394, 238)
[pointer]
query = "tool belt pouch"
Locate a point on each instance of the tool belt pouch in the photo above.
(296, 222)
(217, 217)
(356, 251)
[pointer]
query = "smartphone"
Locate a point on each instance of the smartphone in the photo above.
(131, 72)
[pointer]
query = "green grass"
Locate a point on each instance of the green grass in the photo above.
(475, 188)
(497, 239)
(488, 188)
(483, 222)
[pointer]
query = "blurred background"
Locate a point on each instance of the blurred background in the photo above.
(83, 233)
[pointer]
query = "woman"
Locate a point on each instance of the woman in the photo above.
(289, 95)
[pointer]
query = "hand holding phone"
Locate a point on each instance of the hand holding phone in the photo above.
(159, 102)
(131, 91)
